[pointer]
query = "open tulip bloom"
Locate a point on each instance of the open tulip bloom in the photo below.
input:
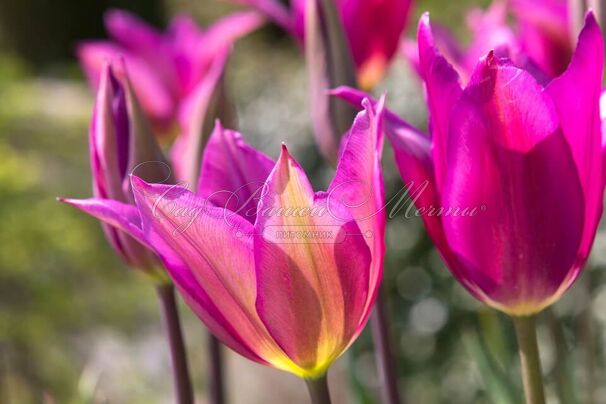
(166, 68)
(282, 275)
(513, 173)
(177, 75)
(540, 40)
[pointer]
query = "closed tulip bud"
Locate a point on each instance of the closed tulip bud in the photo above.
(121, 142)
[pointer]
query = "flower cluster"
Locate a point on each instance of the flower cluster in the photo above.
(288, 277)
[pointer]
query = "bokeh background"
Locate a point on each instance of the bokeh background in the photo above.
(76, 326)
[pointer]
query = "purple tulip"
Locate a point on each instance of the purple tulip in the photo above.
(177, 75)
(511, 180)
(541, 39)
(166, 68)
(121, 141)
(282, 275)
(373, 29)
(546, 33)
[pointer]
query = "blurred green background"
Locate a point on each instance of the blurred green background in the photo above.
(76, 326)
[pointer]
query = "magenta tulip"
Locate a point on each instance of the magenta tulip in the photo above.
(121, 141)
(282, 275)
(541, 38)
(373, 29)
(166, 68)
(510, 184)
(177, 75)
(546, 32)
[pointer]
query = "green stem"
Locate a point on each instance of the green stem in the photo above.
(183, 388)
(532, 376)
(562, 370)
(318, 390)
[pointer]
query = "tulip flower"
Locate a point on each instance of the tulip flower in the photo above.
(546, 32)
(373, 29)
(511, 179)
(542, 37)
(121, 142)
(284, 276)
(177, 74)
(165, 68)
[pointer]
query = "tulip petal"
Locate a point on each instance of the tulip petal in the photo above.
(273, 9)
(109, 138)
(312, 269)
(546, 31)
(443, 91)
(412, 151)
(374, 29)
(122, 225)
(191, 236)
(509, 165)
(576, 95)
(130, 31)
(603, 118)
(358, 184)
(155, 96)
(233, 173)
(196, 117)
(116, 214)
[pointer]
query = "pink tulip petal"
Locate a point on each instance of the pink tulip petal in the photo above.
(196, 124)
(155, 97)
(312, 290)
(109, 138)
(191, 236)
(576, 95)
(233, 173)
(274, 10)
(504, 134)
(122, 225)
(545, 30)
(603, 118)
(358, 184)
(130, 31)
(412, 151)
(374, 29)
(443, 90)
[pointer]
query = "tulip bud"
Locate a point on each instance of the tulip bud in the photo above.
(122, 143)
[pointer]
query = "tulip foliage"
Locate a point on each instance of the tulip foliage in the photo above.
(511, 173)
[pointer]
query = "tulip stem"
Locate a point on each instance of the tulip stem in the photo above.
(383, 352)
(216, 385)
(528, 348)
(183, 388)
(318, 390)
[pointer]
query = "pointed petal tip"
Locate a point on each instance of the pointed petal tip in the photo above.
(590, 17)
(137, 183)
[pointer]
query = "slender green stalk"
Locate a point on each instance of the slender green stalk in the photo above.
(318, 390)
(564, 376)
(383, 352)
(532, 376)
(215, 382)
(587, 336)
(183, 388)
